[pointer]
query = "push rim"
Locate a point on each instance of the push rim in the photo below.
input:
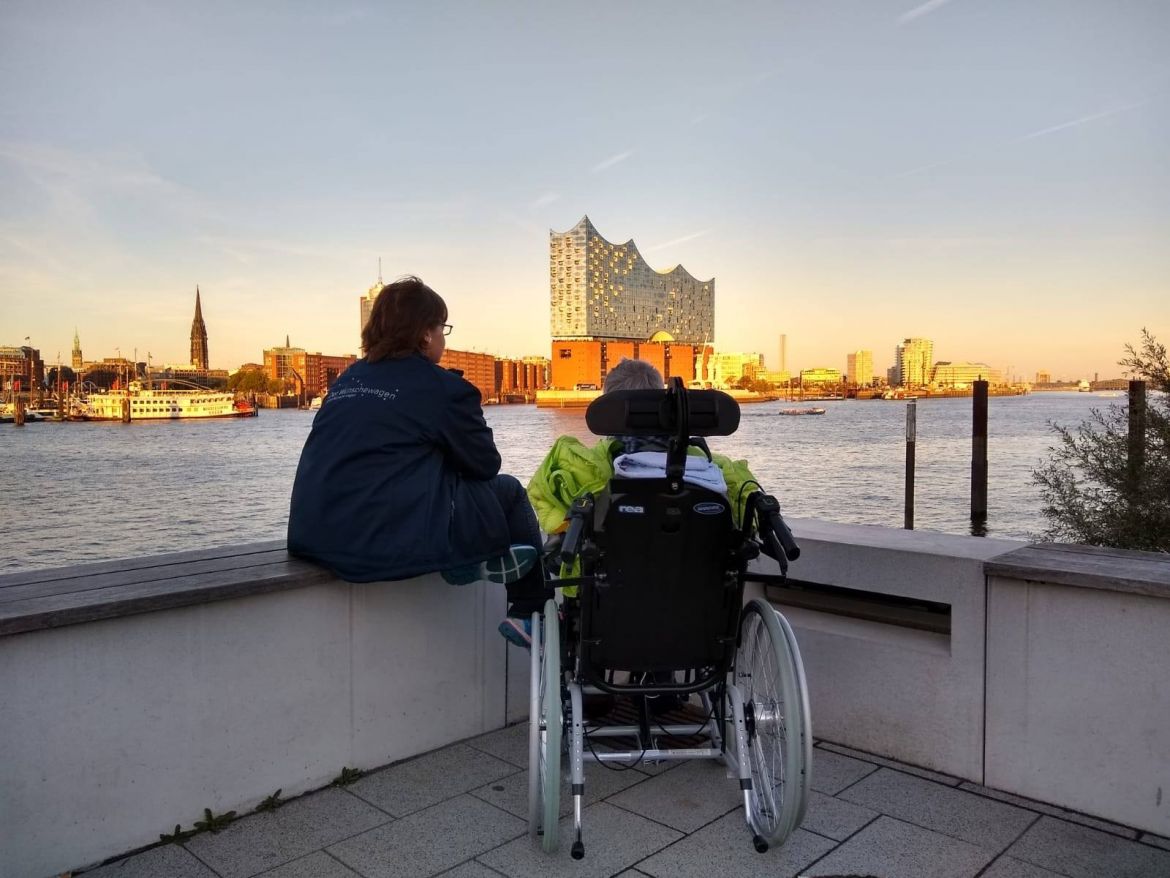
(534, 715)
(550, 720)
(765, 676)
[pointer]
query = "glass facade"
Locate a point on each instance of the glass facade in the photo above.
(599, 289)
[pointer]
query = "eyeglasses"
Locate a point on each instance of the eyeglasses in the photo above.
(447, 327)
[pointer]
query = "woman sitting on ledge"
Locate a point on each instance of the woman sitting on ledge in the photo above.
(400, 475)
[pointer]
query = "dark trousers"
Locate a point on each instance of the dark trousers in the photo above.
(530, 592)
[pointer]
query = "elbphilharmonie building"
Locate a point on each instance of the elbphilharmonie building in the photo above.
(602, 290)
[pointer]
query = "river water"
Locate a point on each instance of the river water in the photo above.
(79, 492)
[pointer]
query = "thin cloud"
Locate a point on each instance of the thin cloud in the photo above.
(544, 200)
(1083, 120)
(918, 11)
(681, 240)
(1051, 129)
(612, 160)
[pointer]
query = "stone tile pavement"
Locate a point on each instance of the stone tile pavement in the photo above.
(460, 812)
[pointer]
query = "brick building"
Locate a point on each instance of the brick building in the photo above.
(21, 367)
(583, 365)
(479, 369)
(311, 373)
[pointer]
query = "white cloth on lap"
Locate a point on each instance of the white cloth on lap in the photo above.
(652, 465)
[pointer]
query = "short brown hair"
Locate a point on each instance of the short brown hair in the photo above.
(401, 316)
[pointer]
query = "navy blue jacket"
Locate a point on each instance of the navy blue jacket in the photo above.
(391, 481)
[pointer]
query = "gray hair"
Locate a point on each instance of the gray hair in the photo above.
(633, 375)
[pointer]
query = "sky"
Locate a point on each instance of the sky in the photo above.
(990, 174)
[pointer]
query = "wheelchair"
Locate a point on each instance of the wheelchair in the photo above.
(659, 612)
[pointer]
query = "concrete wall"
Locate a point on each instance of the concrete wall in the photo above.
(1078, 699)
(114, 731)
(912, 695)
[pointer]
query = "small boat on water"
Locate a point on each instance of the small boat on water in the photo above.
(808, 411)
(150, 404)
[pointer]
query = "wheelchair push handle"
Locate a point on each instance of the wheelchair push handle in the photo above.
(774, 529)
(581, 510)
(784, 536)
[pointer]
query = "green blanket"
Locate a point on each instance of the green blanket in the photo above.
(572, 468)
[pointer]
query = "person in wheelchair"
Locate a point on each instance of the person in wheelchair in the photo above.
(572, 469)
(660, 564)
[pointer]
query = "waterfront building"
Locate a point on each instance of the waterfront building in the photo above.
(601, 291)
(914, 359)
(783, 353)
(962, 375)
(77, 362)
(727, 369)
(583, 364)
(1043, 377)
(199, 358)
(308, 373)
(819, 375)
(21, 369)
(479, 369)
(859, 368)
(521, 378)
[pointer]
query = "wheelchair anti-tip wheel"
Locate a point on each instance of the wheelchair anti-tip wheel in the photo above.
(770, 676)
(544, 728)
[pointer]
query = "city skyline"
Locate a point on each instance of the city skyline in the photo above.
(992, 180)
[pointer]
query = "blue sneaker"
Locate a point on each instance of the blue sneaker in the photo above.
(516, 561)
(517, 631)
(512, 566)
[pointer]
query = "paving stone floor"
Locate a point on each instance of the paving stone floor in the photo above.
(460, 812)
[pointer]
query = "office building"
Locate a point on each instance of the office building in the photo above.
(819, 375)
(601, 291)
(859, 368)
(962, 375)
(366, 303)
(728, 369)
(914, 359)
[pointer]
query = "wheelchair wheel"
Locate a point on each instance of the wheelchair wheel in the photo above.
(769, 675)
(544, 736)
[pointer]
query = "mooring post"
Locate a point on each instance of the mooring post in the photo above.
(18, 411)
(1136, 459)
(911, 432)
(979, 459)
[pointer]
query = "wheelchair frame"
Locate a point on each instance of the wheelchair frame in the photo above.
(754, 695)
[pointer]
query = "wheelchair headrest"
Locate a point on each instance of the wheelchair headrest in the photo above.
(657, 413)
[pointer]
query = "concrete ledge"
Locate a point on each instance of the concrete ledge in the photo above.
(910, 695)
(1122, 570)
(115, 730)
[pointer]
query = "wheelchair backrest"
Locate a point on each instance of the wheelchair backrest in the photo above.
(666, 591)
(666, 585)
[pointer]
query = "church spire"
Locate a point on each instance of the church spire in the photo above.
(77, 361)
(199, 358)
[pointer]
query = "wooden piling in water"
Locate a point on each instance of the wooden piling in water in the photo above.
(979, 458)
(911, 437)
(1136, 458)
